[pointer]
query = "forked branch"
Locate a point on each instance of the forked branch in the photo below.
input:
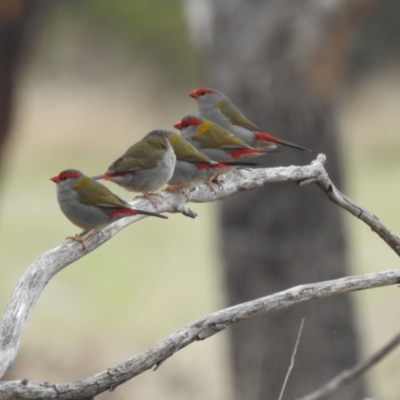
(49, 263)
(201, 329)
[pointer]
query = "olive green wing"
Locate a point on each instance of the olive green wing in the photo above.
(93, 193)
(211, 136)
(235, 116)
(142, 155)
(185, 151)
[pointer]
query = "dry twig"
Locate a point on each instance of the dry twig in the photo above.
(350, 375)
(292, 360)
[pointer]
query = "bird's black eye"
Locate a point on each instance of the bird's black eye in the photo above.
(202, 93)
(64, 177)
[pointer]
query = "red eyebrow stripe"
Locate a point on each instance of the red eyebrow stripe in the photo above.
(69, 174)
(192, 121)
(196, 92)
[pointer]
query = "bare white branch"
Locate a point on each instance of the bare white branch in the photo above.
(323, 181)
(49, 263)
(198, 330)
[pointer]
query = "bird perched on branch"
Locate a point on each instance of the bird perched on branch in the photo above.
(217, 107)
(145, 167)
(89, 204)
(215, 141)
(193, 167)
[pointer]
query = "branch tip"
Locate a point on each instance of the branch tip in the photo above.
(157, 365)
(321, 159)
(186, 211)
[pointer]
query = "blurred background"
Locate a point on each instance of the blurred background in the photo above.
(83, 80)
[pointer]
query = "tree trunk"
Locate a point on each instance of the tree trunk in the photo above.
(10, 33)
(14, 16)
(280, 62)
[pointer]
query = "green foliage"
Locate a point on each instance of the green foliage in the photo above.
(156, 28)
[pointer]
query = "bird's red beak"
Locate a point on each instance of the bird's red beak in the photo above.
(178, 125)
(55, 179)
(166, 135)
(193, 94)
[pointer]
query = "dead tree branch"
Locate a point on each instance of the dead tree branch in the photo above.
(323, 181)
(49, 263)
(199, 330)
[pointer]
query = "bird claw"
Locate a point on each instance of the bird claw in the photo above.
(79, 239)
(209, 183)
(176, 190)
(185, 193)
(218, 182)
(148, 197)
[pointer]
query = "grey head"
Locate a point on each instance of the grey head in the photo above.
(158, 134)
(66, 179)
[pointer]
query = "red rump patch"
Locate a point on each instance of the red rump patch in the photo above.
(117, 212)
(245, 150)
(204, 165)
(219, 166)
(266, 137)
(112, 175)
